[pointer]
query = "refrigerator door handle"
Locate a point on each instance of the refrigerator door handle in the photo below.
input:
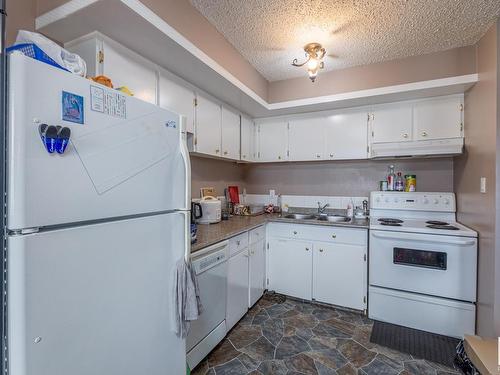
(187, 162)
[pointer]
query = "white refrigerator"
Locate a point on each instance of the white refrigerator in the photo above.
(94, 234)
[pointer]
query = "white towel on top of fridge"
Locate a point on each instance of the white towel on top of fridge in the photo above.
(187, 301)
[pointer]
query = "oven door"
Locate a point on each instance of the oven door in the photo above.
(436, 265)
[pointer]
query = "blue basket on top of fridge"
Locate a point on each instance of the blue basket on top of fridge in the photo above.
(35, 52)
(41, 48)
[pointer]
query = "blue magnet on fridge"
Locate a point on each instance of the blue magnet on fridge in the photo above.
(63, 135)
(48, 134)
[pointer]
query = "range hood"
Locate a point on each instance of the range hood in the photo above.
(435, 147)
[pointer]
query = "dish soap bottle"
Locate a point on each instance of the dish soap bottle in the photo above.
(391, 177)
(399, 184)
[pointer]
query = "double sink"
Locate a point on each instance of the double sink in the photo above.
(320, 217)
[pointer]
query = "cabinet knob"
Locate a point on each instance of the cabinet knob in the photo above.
(318, 156)
(405, 135)
(334, 235)
(252, 252)
(279, 157)
(294, 232)
(331, 155)
(307, 249)
(225, 152)
(238, 242)
(320, 250)
(244, 156)
(217, 151)
(424, 134)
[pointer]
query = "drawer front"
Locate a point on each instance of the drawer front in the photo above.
(257, 234)
(323, 233)
(238, 243)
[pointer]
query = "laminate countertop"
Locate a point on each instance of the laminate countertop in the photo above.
(209, 234)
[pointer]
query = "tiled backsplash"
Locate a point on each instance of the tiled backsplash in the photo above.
(309, 201)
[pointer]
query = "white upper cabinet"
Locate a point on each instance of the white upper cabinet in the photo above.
(208, 127)
(306, 139)
(392, 123)
(346, 135)
(177, 98)
(230, 134)
(247, 139)
(125, 68)
(438, 118)
(273, 141)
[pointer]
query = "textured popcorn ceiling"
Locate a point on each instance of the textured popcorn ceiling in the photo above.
(271, 33)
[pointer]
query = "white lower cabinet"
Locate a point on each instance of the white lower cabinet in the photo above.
(339, 274)
(237, 288)
(326, 264)
(290, 267)
(257, 272)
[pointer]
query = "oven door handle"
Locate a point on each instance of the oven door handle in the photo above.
(413, 237)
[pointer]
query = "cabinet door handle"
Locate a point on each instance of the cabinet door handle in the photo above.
(252, 252)
(318, 156)
(331, 155)
(405, 135)
(238, 243)
(244, 156)
(225, 152)
(424, 134)
(307, 249)
(320, 250)
(217, 151)
(294, 232)
(279, 157)
(334, 235)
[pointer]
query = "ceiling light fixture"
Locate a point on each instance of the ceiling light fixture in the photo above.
(314, 54)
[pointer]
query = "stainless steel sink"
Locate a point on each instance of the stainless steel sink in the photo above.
(300, 216)
(334, 218)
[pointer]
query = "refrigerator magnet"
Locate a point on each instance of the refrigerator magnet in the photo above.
(72, 107)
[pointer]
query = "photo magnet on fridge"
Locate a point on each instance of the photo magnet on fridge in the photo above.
(72, 107)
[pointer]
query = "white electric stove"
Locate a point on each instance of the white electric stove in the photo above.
(422, 263)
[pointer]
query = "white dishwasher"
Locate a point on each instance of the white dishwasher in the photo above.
(210, 265)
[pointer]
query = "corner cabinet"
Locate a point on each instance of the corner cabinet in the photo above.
(230, 134)
(290, 267)
(321, 263)
(248, 136)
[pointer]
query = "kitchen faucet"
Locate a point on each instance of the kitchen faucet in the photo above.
(321, 210)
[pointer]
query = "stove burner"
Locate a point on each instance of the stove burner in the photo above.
(446, 227)
(390, 224)
(386, 220)
(436, 222)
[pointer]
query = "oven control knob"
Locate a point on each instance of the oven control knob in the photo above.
(395, 200)
(426, 201)
(446, 201)
(436, 201)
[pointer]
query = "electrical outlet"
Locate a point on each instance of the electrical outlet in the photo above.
(482, 187)
(272, 193)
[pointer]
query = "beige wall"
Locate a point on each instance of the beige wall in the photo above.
(214, 173)
(20, 15)
(457, 61)
(475, 209)
(346, 178)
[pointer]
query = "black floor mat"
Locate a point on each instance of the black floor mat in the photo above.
(421, 344)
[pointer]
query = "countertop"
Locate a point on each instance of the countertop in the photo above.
(209, 234)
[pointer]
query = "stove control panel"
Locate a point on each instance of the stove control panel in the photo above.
(392, 200)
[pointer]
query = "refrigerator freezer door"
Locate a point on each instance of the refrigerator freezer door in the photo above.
(125, 158)
(96, 299)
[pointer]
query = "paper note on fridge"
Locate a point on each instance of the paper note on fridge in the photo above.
(115, 153)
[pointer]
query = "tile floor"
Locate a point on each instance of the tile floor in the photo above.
(280, 335)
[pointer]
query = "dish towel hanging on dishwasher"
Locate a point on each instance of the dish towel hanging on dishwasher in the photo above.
(187, 301)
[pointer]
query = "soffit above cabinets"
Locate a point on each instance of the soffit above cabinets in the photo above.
(135, 26)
